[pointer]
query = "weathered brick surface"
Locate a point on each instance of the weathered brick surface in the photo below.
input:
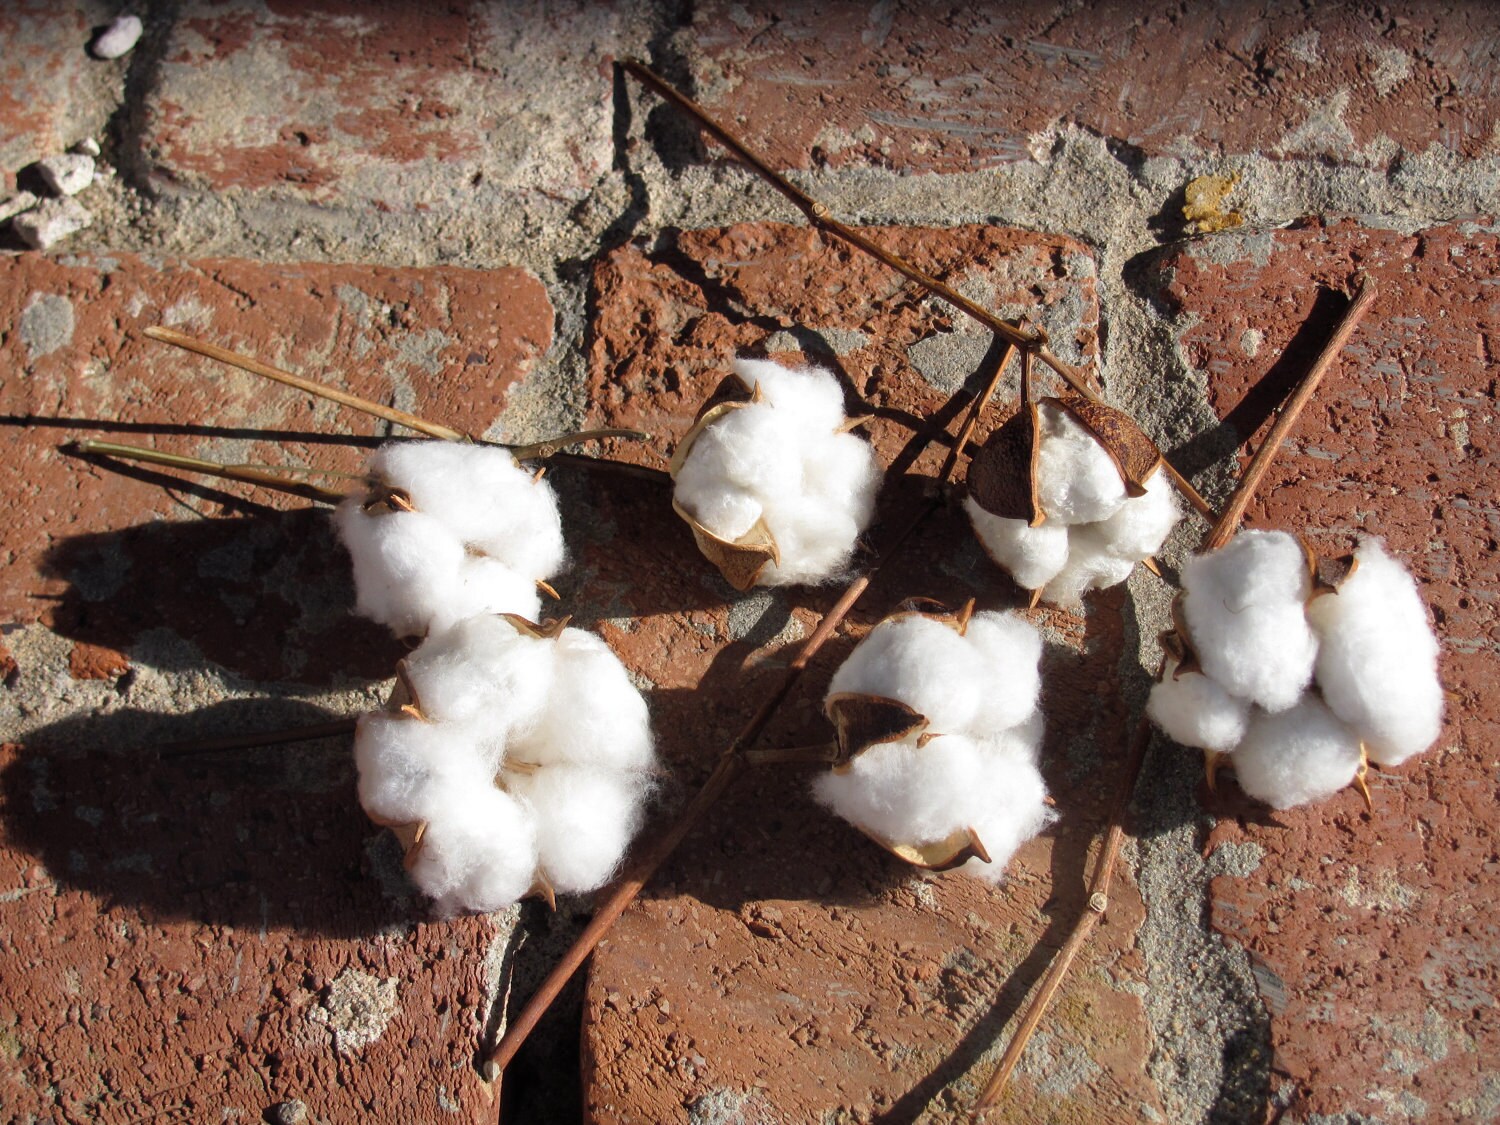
(904, 86)
(45, 73)
(425, 106)
(104, 557)
(784, 968)
(208, 936)
(1373, 935)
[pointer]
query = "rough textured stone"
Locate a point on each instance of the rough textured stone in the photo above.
(1372, 934)
(431, 106)
(105, 554)
(783, 968)
(48, 83)
(898, 85)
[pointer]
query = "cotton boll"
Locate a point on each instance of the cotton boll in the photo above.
(1091, 566)
(405, 564)
(1377, 658)
(782, 460)
(482, 497)
(1032, 556)
(484, 586)
(1243, 606)
(923, 663)
(1075, 479)
(1141, 525)
(1009, 649)
(585, 819)
(481, 853)
(1194, 710)
(1296, 756)
(594, 714)
(908, 794)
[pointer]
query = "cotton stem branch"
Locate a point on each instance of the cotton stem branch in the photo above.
(250, 474)
(1222, 531)
(276, 374)
(1033, 342)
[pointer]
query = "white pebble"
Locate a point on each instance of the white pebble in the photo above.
(68, 173)
(49, 223)
(118, 38)
(21, 201)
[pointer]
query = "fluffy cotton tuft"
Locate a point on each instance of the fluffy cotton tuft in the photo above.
(528, 761)
(974, 766)
(483, 532)
(1244, 609)
(784, 460)
(1296, 756)
(1258, 640)
(1093, 534)
(1377, 658)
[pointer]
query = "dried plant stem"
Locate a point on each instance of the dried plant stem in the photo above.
(1222, 531)
(312, 731)
(251, 474)
(976, 409)
(541, 450)
(1291, 410)
(333, 394)
(819, 216)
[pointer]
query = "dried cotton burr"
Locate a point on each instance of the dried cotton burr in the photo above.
(1300, 671)
(1068, 497)
(938, 737)
(447, 531)
(772, 482)
(514, 760)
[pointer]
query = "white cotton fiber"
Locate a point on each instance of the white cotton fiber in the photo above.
(585, 819)
(1141, 525)
(974, 766)
(1377, 658)
(1091, 565)
(1296, 756)
(529, 765)
(784, 460)
(479, 493)
(1243, 605)
(1030, 555)
(1076, 480)
(1195, 711)
(481, 534)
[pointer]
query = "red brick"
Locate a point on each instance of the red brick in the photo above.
(48, 79)
(1373, 934)
(178, 932)
(898, 85)
(104, 558)
(400, 106)
(782, 964)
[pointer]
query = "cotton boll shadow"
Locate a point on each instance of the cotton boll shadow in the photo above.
(253, 838)
(269, 598)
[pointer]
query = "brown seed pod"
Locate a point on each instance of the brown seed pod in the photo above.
(1135, 455)
(741, 560)
(864, 720)
(1002, 475)
(940, 855)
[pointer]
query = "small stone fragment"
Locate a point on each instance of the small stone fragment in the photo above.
(67, 174)
(88, 147)
(118, 37)
(293, 1112)
(21, 201)
(56, 219)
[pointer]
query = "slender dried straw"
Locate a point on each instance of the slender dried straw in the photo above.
(1114, 837)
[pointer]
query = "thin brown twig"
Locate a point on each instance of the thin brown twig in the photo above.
(250, 474)
(819, 216)
(1223, 529)
(333, 394)
(976, 408)
(731, 761)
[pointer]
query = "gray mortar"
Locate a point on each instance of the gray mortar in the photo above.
(1202, 1003)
